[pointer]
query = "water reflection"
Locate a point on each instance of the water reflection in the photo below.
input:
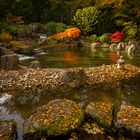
(83, 58)
(71, 57)
(113, 56)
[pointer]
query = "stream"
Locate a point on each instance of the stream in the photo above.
(21, 106)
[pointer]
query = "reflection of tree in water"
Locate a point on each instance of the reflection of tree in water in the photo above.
(71, 57)
(113, 57)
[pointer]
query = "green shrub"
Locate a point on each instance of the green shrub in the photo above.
(60, 27)
(8, 27)
(12, 29)
(131, 30)
(86, 19)
(54, 27)
(50, 27)
(92, 38)
(104, 38)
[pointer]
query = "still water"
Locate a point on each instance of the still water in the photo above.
(81, 58)
(20, 106)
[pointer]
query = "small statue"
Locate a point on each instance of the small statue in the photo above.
(120, 63)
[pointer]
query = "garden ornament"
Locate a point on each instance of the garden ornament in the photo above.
(120, 63)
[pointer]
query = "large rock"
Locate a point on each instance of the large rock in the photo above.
(102, 113)
(8, 130)
(128, 121)
(58, 117)
(22, 47)
(9, 62)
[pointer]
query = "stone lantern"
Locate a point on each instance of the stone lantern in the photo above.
(120, 63)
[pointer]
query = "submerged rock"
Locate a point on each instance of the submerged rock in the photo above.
(102, 113)
(128, 121)
(8, 130)
(58, 117)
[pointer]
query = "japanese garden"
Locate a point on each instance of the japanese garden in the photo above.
(69, 69)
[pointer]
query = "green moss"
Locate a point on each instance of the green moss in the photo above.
(104, 123)
(61, 126)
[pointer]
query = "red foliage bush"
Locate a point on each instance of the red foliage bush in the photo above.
(117, 36)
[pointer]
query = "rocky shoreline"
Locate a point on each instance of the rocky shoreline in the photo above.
(64, 118)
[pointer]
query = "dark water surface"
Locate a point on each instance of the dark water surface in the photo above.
(23, 104)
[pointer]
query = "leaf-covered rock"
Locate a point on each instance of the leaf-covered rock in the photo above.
(102, 113)
(128, 120)
(58, 117)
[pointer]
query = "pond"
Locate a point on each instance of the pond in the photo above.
(80, 58)
(23, 104)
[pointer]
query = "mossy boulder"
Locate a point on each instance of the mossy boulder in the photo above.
(128, 121)
(58, 117)
(102, 113)
(22, 47)
(8, 130)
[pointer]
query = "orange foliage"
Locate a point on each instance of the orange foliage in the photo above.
(5, 37)
(71, 57)
(71, 33)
